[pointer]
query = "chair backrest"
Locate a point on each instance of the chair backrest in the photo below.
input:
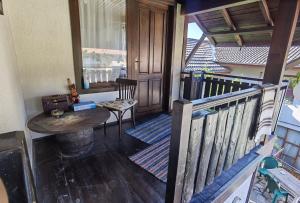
(127, 88)
(269, 162)
(272, 185)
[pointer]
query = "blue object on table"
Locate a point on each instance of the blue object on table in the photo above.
(267, 163)
(84, 106)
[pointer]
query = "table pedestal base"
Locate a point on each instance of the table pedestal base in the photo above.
(76, 144)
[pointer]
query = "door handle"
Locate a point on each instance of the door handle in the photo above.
(136, 61)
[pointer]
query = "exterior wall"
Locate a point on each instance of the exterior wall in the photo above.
(289, 139)
(288, 134)
(253, 71)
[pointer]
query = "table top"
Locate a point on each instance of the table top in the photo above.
(69, 122)
(287, 180)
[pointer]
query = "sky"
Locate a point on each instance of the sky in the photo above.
(194, 31)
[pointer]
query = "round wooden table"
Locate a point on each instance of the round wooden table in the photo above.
(73, 131)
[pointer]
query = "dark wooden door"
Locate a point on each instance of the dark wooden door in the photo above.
(148, 55)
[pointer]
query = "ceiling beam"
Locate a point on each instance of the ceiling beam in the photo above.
(204, 30)
(232, 26)
(194, 50)
(242, 31)
(266, 12)
(284, 30)
(192, 7)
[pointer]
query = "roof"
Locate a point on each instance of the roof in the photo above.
(250, 55)
(203, 59)
(246, 23)
(211, 58)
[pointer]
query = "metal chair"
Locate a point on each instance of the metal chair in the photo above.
(274, 188)
(127, 89)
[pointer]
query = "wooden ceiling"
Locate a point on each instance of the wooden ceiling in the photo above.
(235, 22)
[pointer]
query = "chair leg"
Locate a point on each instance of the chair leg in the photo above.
(120, 123)
(104, 128)
(133, 116)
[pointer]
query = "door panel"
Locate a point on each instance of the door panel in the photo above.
(143, 93)
(144, 40)
(158, 43)
(156, 92)
(149, 61)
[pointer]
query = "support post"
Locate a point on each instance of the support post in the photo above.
(282, 37)
(181, 122)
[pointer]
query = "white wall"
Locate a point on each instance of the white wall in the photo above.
(42, 36)
(12, 111)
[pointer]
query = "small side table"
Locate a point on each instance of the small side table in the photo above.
(121, 107)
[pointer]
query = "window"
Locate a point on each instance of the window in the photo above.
(103, 43)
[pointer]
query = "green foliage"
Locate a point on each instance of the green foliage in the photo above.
(296, 80)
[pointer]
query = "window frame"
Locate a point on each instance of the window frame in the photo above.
(77, 50)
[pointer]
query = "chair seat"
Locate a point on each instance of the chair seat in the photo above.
(263, 171)
(118, 105)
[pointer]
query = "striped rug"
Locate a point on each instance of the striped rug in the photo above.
(155, 158)
(153, 130)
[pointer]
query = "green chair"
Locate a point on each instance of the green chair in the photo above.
(274, 188)
(267, 163)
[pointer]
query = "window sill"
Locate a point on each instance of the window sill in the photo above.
(96, 90)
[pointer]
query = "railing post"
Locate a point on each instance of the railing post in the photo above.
(181, 121)
(188, 85)
(266, 112)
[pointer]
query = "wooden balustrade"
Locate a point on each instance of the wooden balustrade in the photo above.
(210, 135)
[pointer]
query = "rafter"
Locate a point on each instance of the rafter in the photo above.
(232, 26)
(192, 7)
(242, 31)
(194, 50)
(204, 30)
(266, 12)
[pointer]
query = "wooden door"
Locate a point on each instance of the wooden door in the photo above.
(148, 56)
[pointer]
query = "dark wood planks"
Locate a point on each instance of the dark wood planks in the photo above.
(234, 135)
(247, 121)
(217, 145)
(196, 135)
(104, 175)
(207, 144)
(223, 152)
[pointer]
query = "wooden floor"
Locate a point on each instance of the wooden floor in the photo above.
(104, 175)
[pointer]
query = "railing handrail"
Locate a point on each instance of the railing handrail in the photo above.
(222, 75)
(213, 101)
(284, 82)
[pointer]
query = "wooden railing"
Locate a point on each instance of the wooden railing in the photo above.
(199, 84)
(209, 135)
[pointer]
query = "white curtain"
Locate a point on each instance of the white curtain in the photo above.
(103, 38)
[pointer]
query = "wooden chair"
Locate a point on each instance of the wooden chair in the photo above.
(127, 90)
